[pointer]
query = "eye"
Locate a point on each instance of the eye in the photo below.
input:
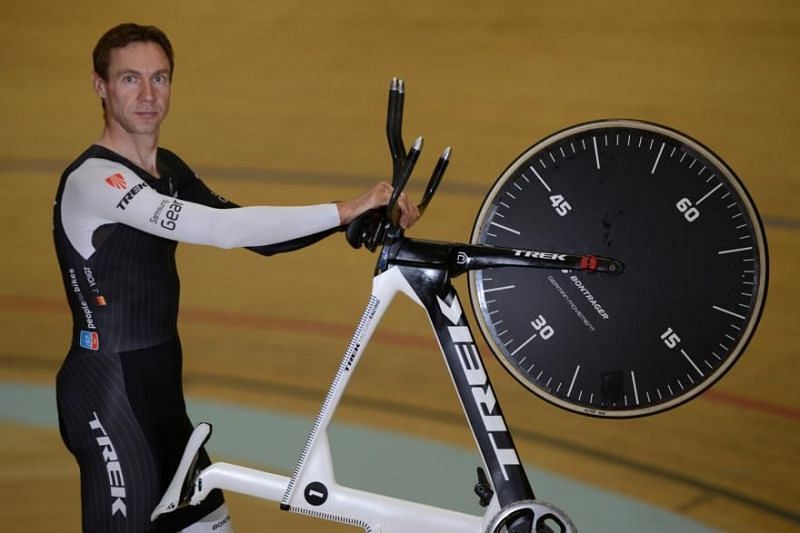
(161, 79)
(129, 78)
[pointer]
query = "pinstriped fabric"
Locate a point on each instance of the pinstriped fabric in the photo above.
(124, 419)
(140, 285)
(118, 487)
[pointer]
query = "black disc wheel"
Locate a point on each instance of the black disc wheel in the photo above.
(687, 302)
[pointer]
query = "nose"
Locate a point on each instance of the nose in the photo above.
(148, 92)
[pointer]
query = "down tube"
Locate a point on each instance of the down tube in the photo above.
(475, 391)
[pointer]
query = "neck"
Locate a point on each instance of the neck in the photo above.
(140, 149)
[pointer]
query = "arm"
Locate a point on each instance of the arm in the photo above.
(89, 201)
(377, 196)
(198, 192)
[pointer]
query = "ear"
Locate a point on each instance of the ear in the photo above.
(99, 85)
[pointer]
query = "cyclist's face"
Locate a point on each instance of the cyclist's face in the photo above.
(137, 91)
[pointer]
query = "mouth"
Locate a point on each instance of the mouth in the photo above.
(147, 115)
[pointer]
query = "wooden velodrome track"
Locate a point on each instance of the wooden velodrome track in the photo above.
(283, 102)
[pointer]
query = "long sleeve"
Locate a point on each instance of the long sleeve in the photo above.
(102, 192)
(197, 191)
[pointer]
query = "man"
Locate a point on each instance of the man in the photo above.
(120, 210)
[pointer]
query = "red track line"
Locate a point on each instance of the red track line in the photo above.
(38, 304)
(752, 404)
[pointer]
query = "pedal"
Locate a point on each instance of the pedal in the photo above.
(483, 489)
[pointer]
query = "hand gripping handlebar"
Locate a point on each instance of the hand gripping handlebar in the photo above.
(379, 226)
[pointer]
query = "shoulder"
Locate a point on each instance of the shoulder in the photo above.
(104, 171)
(100, 178)
(97, 190)
(87, 162)
(99, 162)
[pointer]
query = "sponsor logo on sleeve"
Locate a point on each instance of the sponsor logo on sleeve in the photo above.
(157, 212)
(170, 218)
(130, 194)
(89, 340)
(117, 181)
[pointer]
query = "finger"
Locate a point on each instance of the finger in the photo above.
(408, 211)
(414, 215)
(408, 220)
(377, 196)
(384, 193)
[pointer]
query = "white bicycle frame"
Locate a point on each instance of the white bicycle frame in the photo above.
(312, 489)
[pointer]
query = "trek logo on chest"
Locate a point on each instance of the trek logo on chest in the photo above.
(482, 392)
(115, 480)
(130, 194)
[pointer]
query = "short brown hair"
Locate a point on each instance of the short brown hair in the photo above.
(124, 34)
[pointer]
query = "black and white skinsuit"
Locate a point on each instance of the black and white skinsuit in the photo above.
(119, 392)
